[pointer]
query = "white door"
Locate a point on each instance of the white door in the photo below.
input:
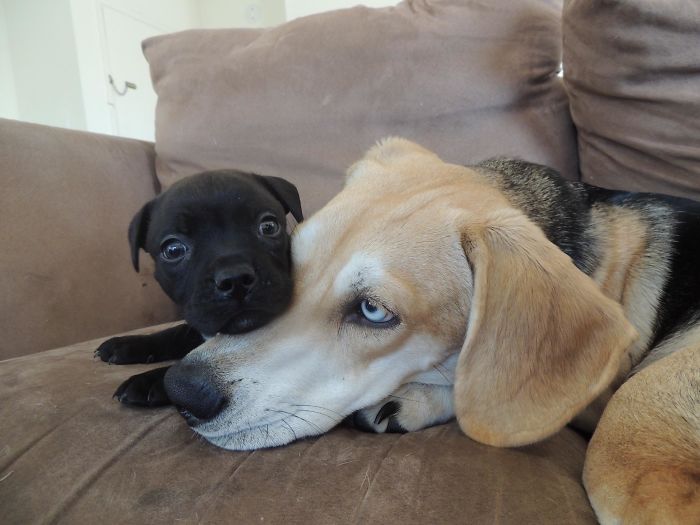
(133, 111)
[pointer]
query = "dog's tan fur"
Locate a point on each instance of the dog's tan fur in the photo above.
(643, 462)
(531, 339)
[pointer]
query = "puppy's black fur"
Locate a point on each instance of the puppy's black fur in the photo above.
(221, 249)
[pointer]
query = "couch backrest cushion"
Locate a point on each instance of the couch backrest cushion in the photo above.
(467, 78)
(66, 199)
(632, 70)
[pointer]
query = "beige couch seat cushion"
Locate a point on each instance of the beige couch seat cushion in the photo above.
(632, 70)
(71, 454)
(466, 78)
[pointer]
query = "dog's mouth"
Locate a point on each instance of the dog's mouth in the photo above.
(239, 322)
(266, 433)
(261, 434)
(245, 322)
(191, 420)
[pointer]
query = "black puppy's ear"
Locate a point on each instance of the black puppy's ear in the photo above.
(138, 229)
(286, 193)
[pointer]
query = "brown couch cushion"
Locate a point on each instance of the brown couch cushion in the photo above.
(71, 454)
(66, 201)
(467, 79)
(632, 70)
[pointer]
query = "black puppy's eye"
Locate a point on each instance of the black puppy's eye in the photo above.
(269, 227)
(173, 250)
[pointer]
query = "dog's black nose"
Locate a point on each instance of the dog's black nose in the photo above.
(192, 390)
(236, 280)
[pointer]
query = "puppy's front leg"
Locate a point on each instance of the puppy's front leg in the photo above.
(144, 390)
(172, 343)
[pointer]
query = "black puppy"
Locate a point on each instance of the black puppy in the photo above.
(221, 248)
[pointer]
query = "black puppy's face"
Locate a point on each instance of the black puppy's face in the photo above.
(221, 248)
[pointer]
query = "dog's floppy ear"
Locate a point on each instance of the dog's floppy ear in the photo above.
(286, 193)
(542, 340)
(138, 229)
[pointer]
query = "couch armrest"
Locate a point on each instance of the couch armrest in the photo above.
(66, 200)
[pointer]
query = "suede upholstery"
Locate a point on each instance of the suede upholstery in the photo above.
(66, 201)
(633, 77)
(468, 79)
(302, 101)
(71, 454)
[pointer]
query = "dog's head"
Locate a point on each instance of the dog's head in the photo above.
(413, 262)
(221, 248)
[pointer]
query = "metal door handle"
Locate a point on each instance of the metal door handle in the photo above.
(127, 86)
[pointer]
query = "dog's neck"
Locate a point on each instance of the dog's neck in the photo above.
(560, 208)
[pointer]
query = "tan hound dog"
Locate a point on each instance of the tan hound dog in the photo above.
(500, 294)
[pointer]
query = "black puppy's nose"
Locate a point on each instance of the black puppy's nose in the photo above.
(192, 390)
(236, 280)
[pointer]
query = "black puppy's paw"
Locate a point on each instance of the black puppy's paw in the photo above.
(126, 350)
(144, 390)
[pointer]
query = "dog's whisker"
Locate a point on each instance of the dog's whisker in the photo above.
(319, 429)
(322, 408)
(442, 373)
(406, 398)
(443, 368)
(284, 422)
(312, 425)
(279, 411)
(331, 417)
(334, 420)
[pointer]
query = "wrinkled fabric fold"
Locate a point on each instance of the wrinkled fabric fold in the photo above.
(632, 72)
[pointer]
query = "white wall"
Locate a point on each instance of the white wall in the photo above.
(44, 62)
(241, 13)
(297, 8)
(54, 55)
(171, 15)
(8, 95)
(88, 21)
(92, 73)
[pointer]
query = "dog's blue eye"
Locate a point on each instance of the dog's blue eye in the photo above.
(375, 313)
(269, 227)
(173, 250)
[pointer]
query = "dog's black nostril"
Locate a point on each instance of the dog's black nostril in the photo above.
(225, 285)
(235, 280)
(193, 391)
(247, 280)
